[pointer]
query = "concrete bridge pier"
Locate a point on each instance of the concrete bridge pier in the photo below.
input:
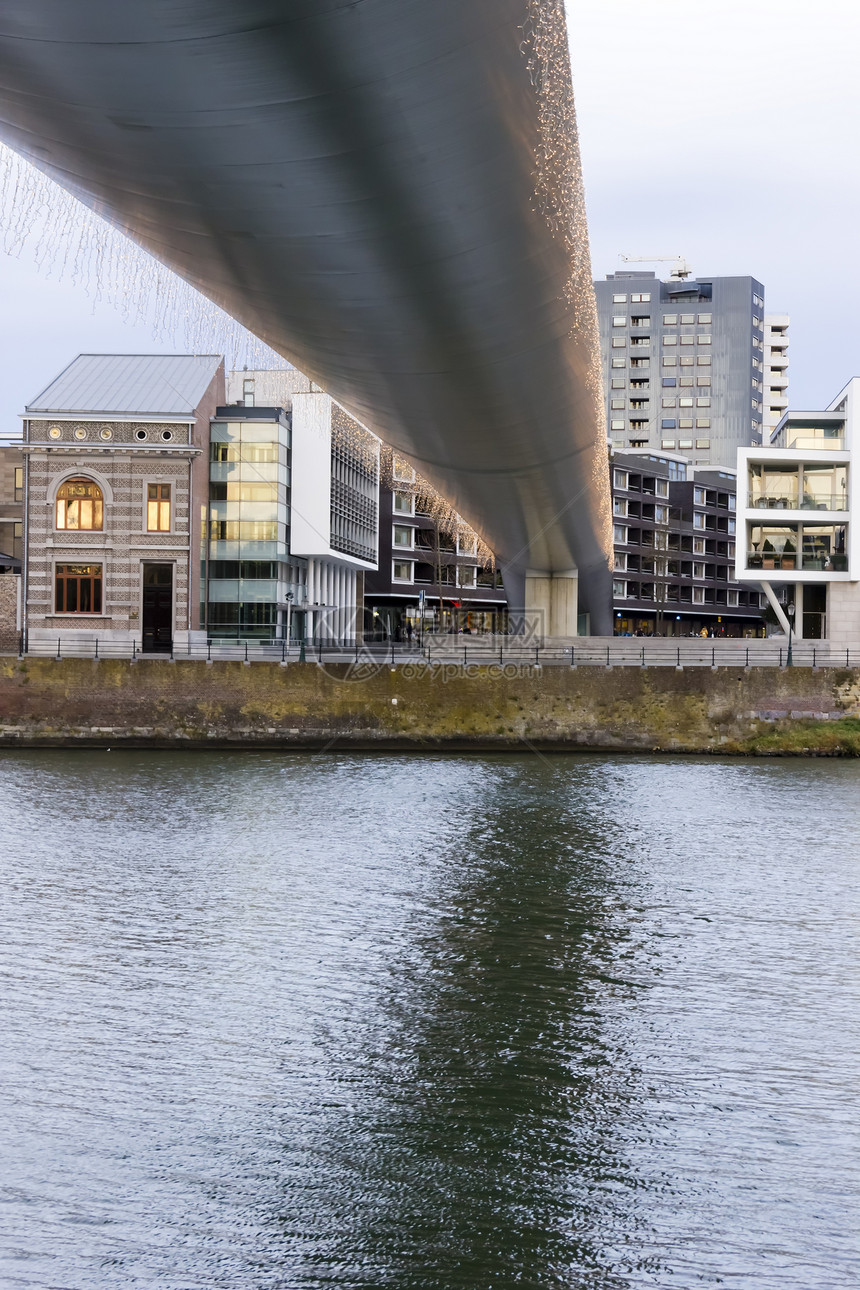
(551, 602)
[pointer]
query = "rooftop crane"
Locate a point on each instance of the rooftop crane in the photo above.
(681, 269)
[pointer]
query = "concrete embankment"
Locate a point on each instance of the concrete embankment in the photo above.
(156, 703)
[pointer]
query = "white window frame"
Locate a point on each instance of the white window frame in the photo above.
(395, 576)
(396, 510)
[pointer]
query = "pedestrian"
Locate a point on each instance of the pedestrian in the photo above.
(409, 633)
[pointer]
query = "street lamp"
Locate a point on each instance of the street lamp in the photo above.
(289, 600)
(790, 611)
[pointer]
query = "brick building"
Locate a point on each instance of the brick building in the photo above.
(11, 505)
(116, 485)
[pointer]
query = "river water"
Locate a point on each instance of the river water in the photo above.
(427, 1022)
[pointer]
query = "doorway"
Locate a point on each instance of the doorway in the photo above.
(157, 608)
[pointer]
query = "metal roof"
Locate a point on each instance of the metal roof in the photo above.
(129, 385)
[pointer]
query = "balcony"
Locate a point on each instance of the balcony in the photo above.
(809, 502)
(808, 561)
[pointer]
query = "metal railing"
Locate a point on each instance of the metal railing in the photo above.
(496, 652)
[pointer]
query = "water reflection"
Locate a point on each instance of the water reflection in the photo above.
(478, 1132)
(419, 1022)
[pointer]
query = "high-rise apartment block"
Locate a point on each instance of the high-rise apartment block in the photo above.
(683, 364)
(775, 372)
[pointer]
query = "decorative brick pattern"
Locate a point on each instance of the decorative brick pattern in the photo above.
(8, 613)
(123, 544)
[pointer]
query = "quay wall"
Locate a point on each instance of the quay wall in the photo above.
(158, 703)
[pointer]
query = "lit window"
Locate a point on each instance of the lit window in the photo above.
(685, 402)
(667, 443)
(158, 508)
(79, 505)
(685, 443)
(617, 424)
(78, 588)
(402, 535)
(19, 483)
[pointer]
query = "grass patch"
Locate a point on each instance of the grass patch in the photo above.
(803, 739)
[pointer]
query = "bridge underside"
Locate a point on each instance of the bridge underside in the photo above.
(384, 191)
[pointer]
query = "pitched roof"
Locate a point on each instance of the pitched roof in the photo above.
(129, 385)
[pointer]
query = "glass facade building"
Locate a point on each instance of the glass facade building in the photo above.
(249, 578)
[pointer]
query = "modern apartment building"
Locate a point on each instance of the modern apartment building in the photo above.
(304, 575)
(775, 381)
(683, 364)
(433, 575)
(674, 540)
(800, 536)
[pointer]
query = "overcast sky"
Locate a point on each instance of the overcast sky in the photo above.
(725, 131)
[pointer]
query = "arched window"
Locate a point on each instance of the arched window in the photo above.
(79, 505)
